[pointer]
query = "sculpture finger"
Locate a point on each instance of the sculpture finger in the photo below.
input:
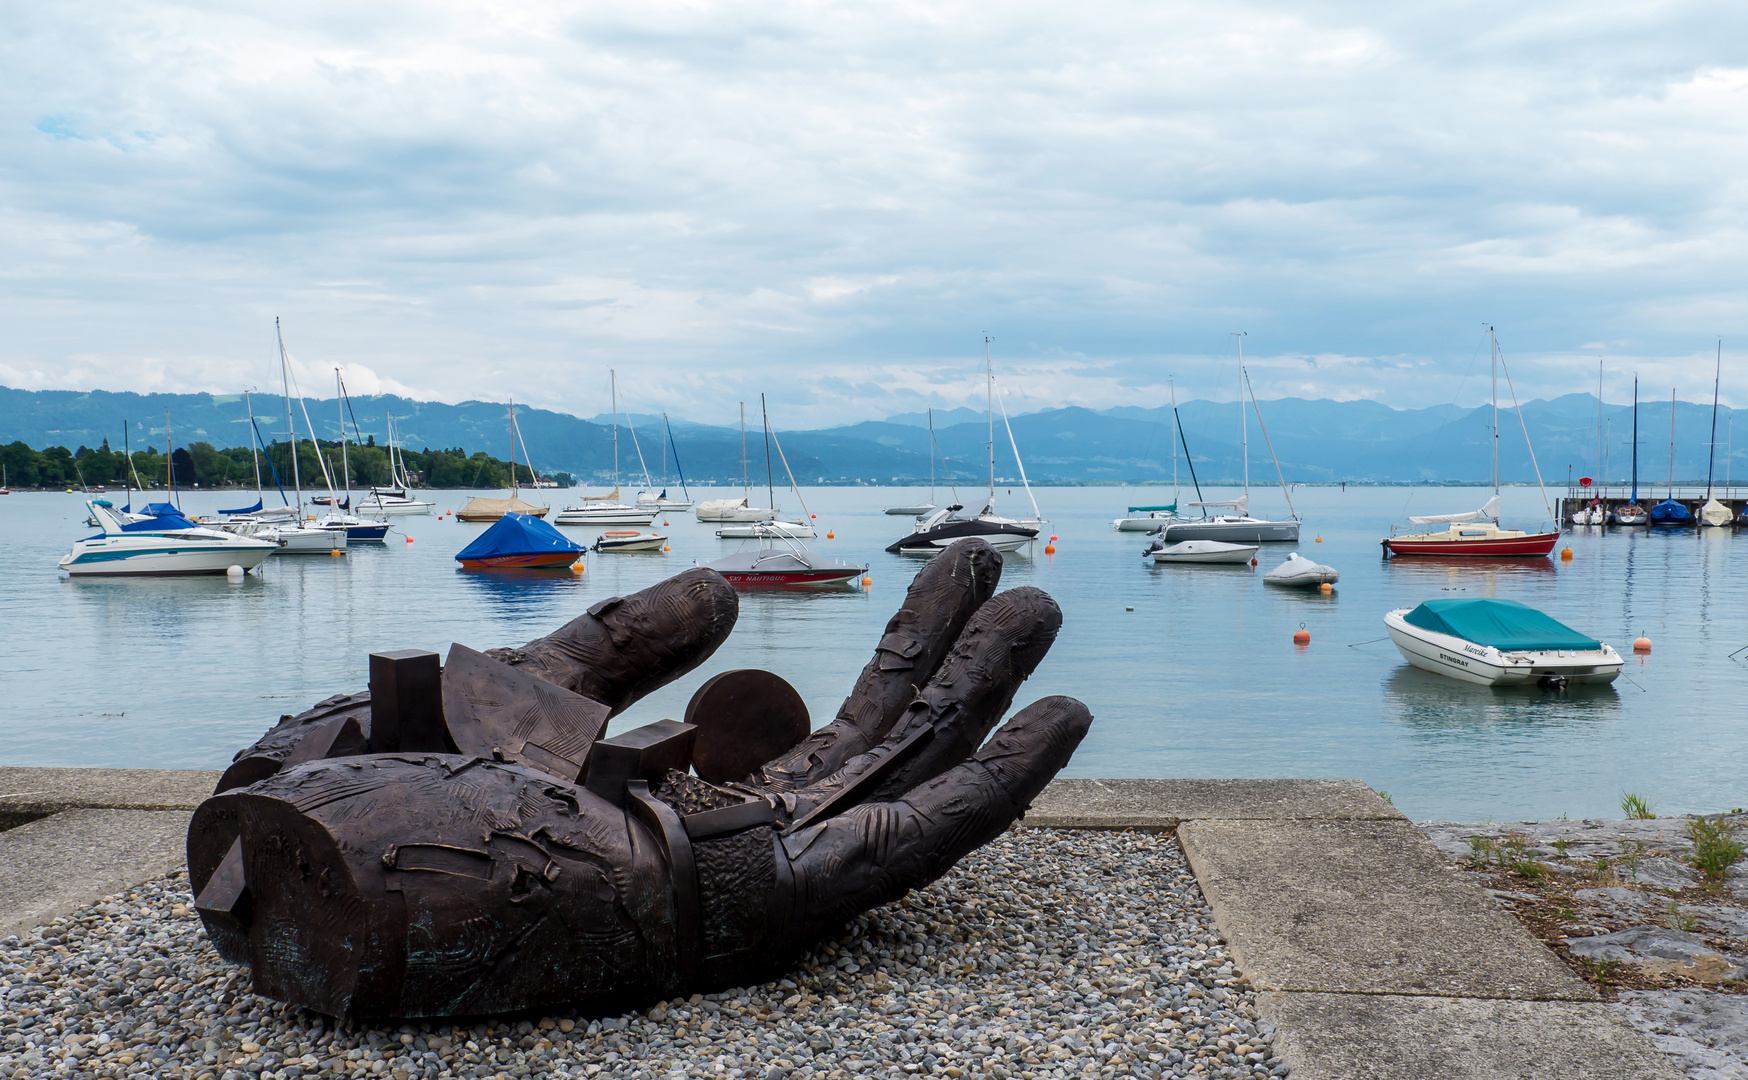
(874, 853)
(997, 651)
(626, 646)
(938, 604)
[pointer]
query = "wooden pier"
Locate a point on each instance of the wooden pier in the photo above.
(1692, 496)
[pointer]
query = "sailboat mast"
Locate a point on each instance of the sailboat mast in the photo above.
(613, 393)
(770, 489)
(253, 456)
(345, 463)
(513, 448)
(169, 466)
(1243, 421)
(1493, 357)
(1173, 385)
(746, 491)
(989, 410)
(290, 431)
(1635, 440)
(1712, 453)
(1671, 494)
(1601, 469)
(931, 456)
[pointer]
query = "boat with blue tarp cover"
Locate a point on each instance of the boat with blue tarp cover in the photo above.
(164, 543)
(1498, 643)
(520, 540)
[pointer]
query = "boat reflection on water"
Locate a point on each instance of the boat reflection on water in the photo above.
(1433, 707)
(1471, 574)
(521, 588)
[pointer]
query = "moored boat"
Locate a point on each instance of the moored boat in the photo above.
(1498, 643)
(629, 540)
(1150, 519)
(791, 565)
(606, 514)
(166, 544)
(1200, 551)
(767, 530)
(1301, 573)
(520, 540)
(937, 531)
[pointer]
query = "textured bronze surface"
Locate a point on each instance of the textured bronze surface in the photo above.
(361, 878)
(744, 719)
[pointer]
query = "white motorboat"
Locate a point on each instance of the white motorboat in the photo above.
(662, 503)
(292, 536)
(768, 530)
(168, 544)
(606, 514)
(1498, 643)
(1201, 551)
(1298, 572)
(629, 540)
(391, 502)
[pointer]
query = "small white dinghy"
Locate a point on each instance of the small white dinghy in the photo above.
(1201, 551)
(1498, 643)
(1298, 572)
(629, 540)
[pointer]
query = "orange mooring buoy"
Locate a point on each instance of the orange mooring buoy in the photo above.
(1565, 554)
(1052, 538)
(829, 535)
(1326, 588)
(665, 547)
(409, 539)
(1319, 540)
(1641, 644)
(1049, 549)
(1301, 636)
(577, 567)
(867, 581)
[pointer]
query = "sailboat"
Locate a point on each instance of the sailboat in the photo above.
(937, 530)
(771, 527)
(1594, 514)
(919, 509)
(662, 502)
(784, 563)
(1714, 514)
(607, 509)
(1671, 513)
(1156, 517)
(1239, 527)
(1477, 533)
(1632, 513)
(396, 499)
(339, 513)
(740, 509)
(480, 508)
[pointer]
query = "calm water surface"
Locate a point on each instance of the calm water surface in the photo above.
(1201, 679)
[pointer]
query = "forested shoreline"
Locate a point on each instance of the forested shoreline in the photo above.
(201, 465)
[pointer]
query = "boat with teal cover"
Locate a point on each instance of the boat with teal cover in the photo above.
(1498, 643)
(520, 540)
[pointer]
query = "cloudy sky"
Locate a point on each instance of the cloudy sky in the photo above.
(834, 203)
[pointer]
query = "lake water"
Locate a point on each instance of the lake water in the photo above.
(1201, 679)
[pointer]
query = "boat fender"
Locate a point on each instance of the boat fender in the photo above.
(336, 553)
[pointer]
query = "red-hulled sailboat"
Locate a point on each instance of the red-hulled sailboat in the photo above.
(1478, 533)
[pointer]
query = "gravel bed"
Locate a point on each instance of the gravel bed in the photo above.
(1046, 954)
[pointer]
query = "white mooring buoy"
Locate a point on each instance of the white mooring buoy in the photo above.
(234, 573)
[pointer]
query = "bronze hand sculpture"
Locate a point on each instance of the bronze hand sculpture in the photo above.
(471, 845)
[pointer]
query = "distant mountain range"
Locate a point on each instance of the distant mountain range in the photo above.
(1315, 441)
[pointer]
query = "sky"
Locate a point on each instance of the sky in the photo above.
(835, 204)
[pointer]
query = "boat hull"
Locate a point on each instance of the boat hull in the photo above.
(1234, 532)
(309, 541)
(393, 508)
(1204, 551)
(538, 511)
(168, 560)
(757, 578)
(999, 535)
(550, 560)
(1150, 523)
(766, 530)
(633, 542)
(1529, 544)
(1468, 662)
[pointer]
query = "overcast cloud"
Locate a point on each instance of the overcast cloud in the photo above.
(832, 204)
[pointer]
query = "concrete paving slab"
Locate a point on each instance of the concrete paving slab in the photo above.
(1366, 907)
(1162, 804)
(1391, 1037)
(57, 864)
(30, 793)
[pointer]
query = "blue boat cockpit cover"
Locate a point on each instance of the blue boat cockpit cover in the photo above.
(1670, 510)
(162, 516)
(1504, 624)
(244, 509)
(518, 534)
